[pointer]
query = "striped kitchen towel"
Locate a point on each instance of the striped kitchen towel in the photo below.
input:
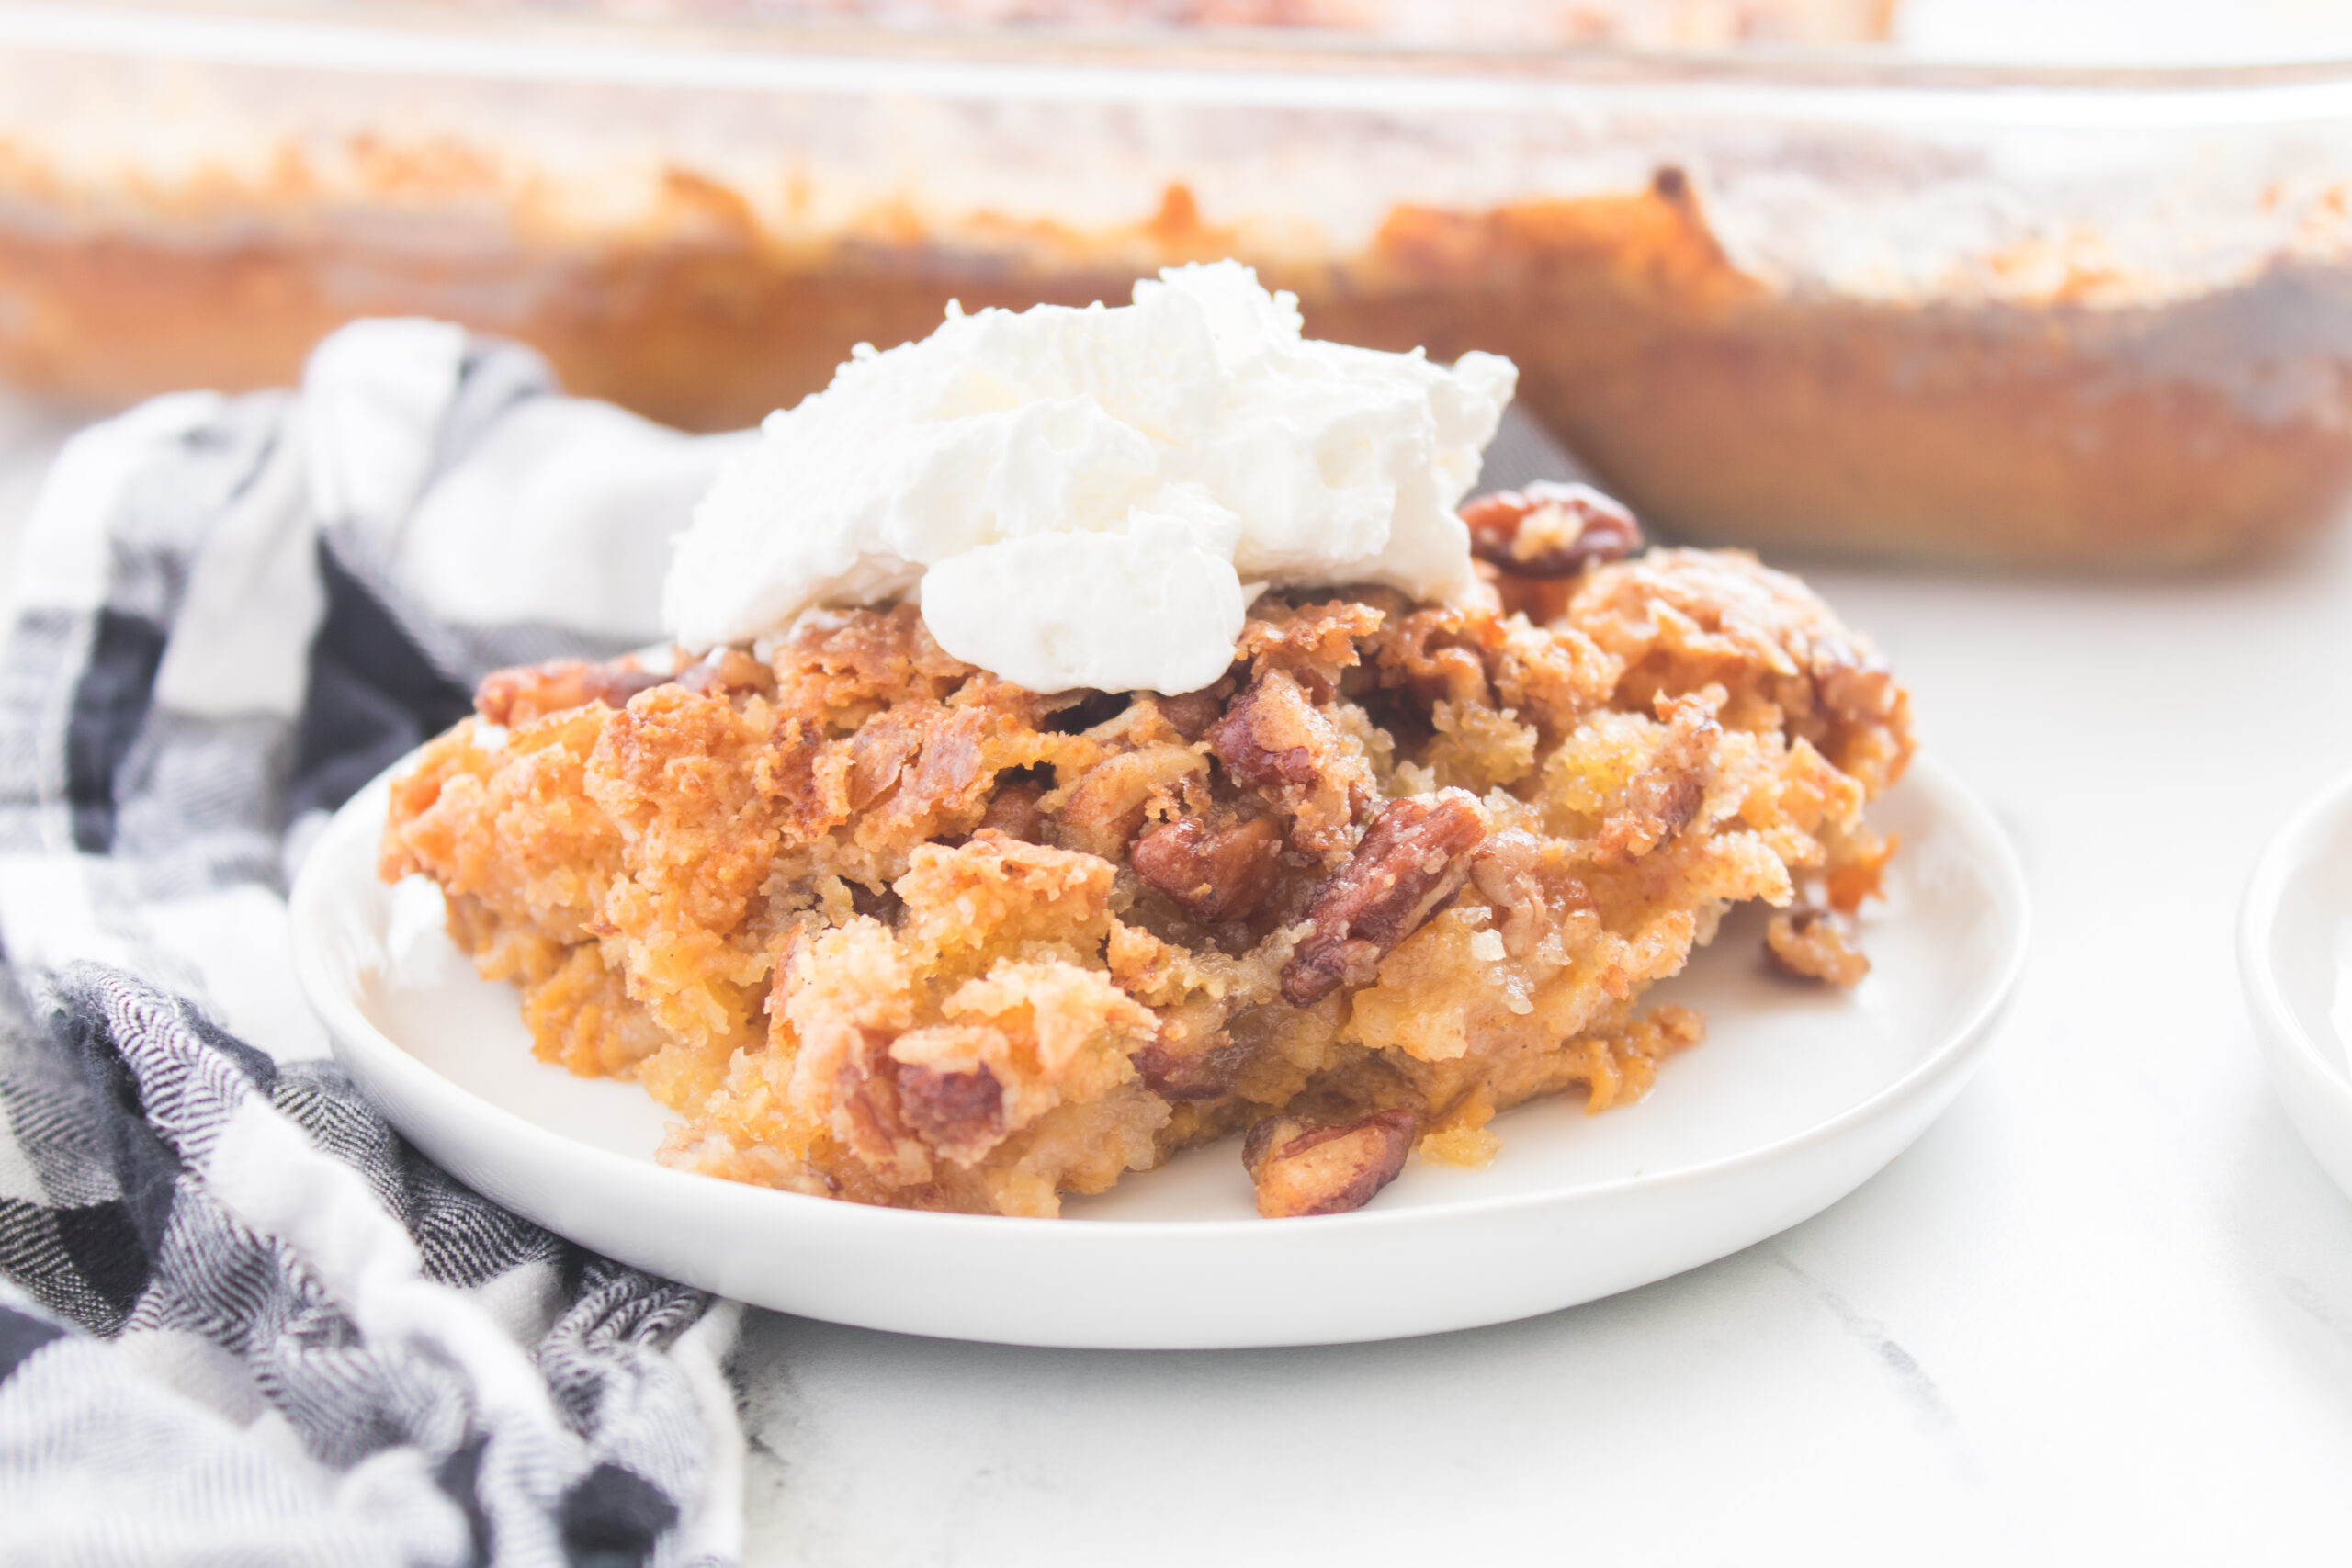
(240, 1320)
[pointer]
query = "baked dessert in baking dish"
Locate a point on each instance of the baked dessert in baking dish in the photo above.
(1897, 321)
(1391, 837)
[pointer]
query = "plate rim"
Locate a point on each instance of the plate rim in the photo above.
(2298, 1067)
(348, 1027)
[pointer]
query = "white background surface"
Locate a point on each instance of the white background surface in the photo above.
(2102, 1312)
(2115, 32)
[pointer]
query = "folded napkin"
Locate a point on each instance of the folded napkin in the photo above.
(241, 1321)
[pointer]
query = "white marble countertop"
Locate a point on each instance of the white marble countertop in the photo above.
(2101, 1312)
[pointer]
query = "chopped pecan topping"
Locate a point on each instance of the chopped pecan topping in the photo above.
(975, 1007)
(533, 691)
(1265, 737)
(1192, 1058)
(1274, 740)
(1017, 810)
(1414, 857)
(1541, 600)
(1422, 651)
(866, 1115)
(1300, 1168)
(1103, 811)
(1531, 893)
(1550, 529)
(1664, 796)
(1810, 944)
(1210, 876)
(1191, 713)
(1203, 1075)
(960, 1112)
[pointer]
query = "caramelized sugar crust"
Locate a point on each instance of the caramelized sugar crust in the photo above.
(883, 927)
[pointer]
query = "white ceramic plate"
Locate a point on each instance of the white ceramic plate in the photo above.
(1798, 1095)
(2295, 956)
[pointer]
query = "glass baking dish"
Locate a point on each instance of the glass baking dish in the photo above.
(1809, 300)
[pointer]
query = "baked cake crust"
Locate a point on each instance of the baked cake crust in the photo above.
(883, 927)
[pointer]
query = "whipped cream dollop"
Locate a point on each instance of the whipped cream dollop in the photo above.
(1092, 497)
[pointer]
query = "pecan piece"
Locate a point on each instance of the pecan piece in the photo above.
(1190, 714)
(1206, 1075)
(1300, 1168)
(1422, 652)
(1267, 739)
(1210, 876)
(1192, 1058)
(1414, 857)
(959, 1111)
(1808, 943)
(944, 1093)
(1275, 740)
(1662, 799)
(1550, 529)
(1530, 892)
(1018, 811)
(533, 691)
(1104, 810)
(866, 1111)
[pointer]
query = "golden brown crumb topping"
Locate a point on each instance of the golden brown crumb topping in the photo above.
(881, 926)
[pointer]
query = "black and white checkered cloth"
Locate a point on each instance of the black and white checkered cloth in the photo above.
(241, 1321)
